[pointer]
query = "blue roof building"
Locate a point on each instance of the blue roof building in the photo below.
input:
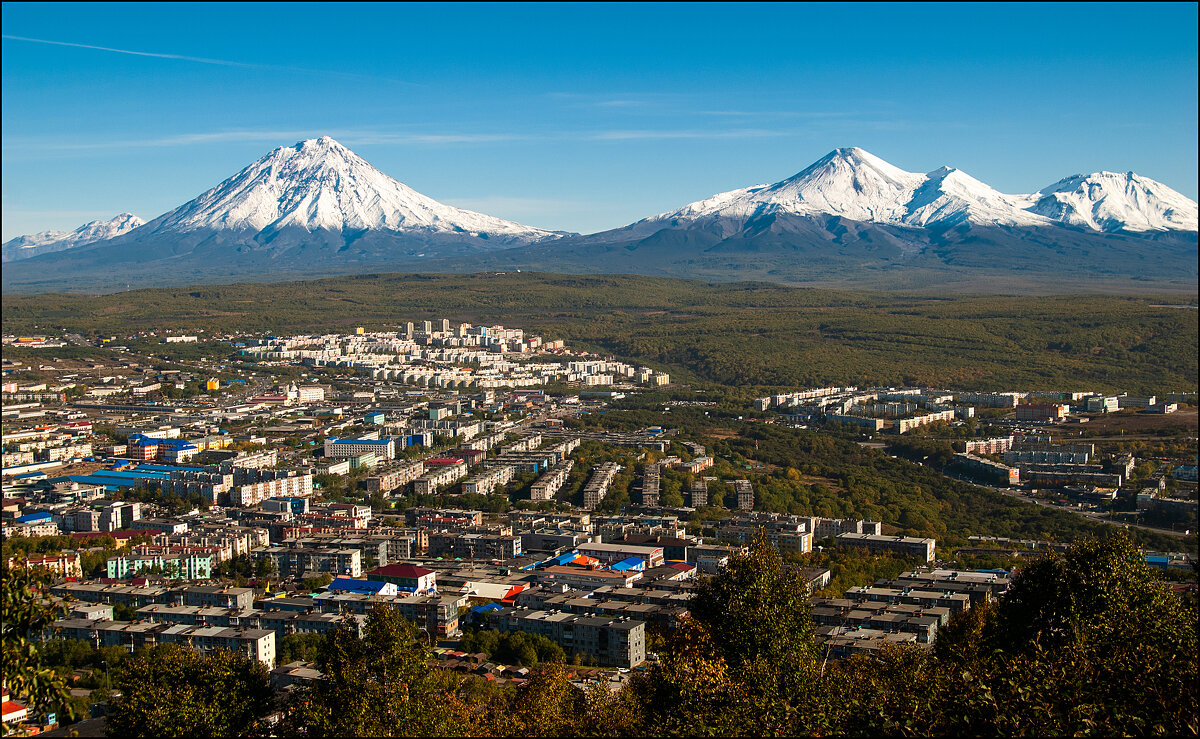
(364, 587)
(631, 563)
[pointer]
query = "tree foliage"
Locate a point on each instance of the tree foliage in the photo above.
(26, 616)
(173, 690)
(377, 685)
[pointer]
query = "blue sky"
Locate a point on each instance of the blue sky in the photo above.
(582, 117)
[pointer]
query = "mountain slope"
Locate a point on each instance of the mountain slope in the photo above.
(849, 219)
(311, 209)
(853, 220)
(25, 247)
(1109, 201)
(318, 185)
(855, 184)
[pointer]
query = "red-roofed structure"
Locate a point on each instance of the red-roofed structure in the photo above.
(405, 577)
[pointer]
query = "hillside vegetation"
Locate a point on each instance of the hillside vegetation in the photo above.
(749, 335)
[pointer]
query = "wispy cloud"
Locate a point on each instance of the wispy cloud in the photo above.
(201, 60)
(620, 103)
(204, 60)
(15, 146)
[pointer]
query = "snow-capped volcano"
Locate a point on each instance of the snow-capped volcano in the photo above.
(24, 247)
(854, 184)
(1112, 201)
(320, 185)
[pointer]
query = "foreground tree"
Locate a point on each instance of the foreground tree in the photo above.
(378, 685)
(25, 619)
(173, 690)
(745, 662)
(1083, 642)
(26, 616)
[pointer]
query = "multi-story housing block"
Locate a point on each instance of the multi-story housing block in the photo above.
(474, 546)
(650, 486)
(215, 596)
(345, 448)
(911, 546)
(1053, 412)
(109, 633)
(439, 476)
(437, 615)
(904, 425)
(994, 471)
(610, 642)
(744, 492)
(597, 486)
(550, 483)
(256, 644)
(991, 400)
(309, 561)
(998, 445)
(189, 563)
(552, 540)
(252, 494)
(486, 482)
(392, 478)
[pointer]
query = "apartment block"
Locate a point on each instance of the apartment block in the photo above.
(487, 481)
(439, 476)
(995, 472)
(597, 486)
(610, 642)
(997, 445)
(550, 483)
(474, 546)
(650, 486)
(904, 425)
(308, 561)
(744, 493)
(391, 478)
(1053, 412)
(907, 545)
(256, 644)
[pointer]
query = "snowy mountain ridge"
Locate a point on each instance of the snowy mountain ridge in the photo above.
(857, 185)
(24, 247)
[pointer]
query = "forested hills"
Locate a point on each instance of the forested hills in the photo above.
(750, 335)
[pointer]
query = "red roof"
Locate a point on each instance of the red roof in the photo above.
(444, 461)
(9, 708)
(398, 570)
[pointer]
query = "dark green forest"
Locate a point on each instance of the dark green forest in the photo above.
(749, 335)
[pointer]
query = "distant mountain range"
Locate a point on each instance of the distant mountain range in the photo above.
(850, 218)
(24, 247)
